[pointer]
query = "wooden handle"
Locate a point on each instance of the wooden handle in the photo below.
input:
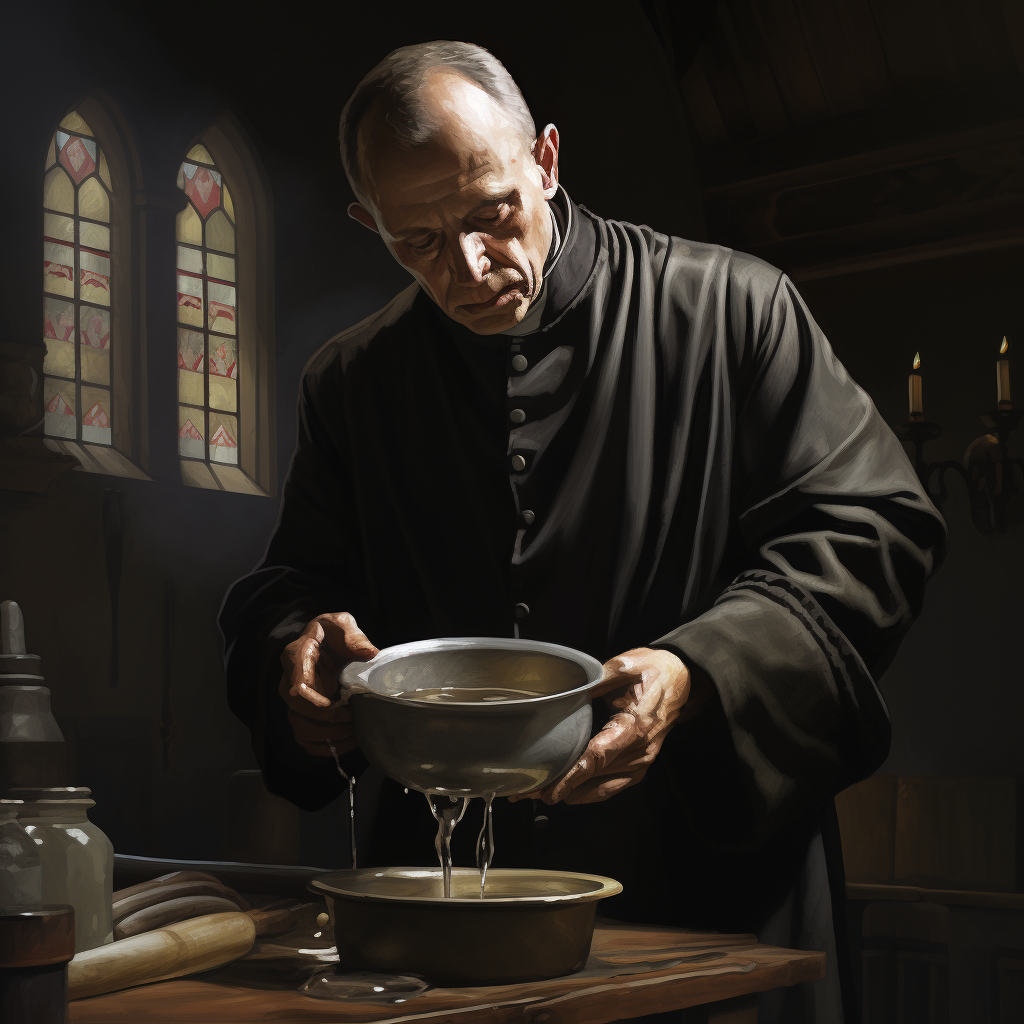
(168, 879)
(178, 949)
(273, 920)
(171, 912)
(129, 905)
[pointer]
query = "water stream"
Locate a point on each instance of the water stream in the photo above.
(485, 843)
(448, 810)
(351, 801)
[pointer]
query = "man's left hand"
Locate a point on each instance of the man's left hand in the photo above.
(649, 688)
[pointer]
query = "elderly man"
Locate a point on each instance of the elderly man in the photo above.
(578, 430)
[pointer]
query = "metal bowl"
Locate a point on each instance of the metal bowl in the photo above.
(530, 925)
(470, 748)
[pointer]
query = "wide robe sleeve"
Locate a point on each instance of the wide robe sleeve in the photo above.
(832, 539)
(313, 565)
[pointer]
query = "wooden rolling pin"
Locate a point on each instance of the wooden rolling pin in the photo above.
(170, 952)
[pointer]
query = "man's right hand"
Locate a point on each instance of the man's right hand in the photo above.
(310, 681)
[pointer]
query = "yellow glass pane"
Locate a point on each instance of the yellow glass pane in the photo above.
(191, 432)
(74, 123)
(190, 300)
(94, 236)
(58, 192)
(59, 408)
(223, 393)
(189, 228)
(58, 228)
(51, 154)
(223, 443)
(191, 349)
(220, 267)
(190, 387)
(59, 360)
(97, 413)
(96, 364)
(219, 233)
(93, 201)
(105, 170)
(229, 204)
(58, 269)
(190, 259)
(220, 313)
(201, 153)
(94, 278)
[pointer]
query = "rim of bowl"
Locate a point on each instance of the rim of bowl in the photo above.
(604, 888)
(590, 665)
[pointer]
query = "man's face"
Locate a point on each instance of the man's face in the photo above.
(466, 215)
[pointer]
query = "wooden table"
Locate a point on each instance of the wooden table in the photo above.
(633, 970)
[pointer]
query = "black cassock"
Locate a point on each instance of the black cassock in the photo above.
(700, 474)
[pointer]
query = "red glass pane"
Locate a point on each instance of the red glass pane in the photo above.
(202, 186)
(77, 156)
(58, 320)
(190, 350)
(223, 357)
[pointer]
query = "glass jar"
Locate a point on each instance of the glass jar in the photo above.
(77, 858)
(21, 875)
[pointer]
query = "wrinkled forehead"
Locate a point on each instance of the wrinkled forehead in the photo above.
(474, 148)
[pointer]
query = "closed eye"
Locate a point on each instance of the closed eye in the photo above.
(424, 245)
(495, 215)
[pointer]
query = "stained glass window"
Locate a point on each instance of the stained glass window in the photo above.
(76, 286)
(207, 315)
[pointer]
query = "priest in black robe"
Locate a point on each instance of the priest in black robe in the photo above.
(582, 431)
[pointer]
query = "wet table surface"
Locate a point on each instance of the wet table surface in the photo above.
(633, 970)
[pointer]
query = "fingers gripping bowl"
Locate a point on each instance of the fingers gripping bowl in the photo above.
(473, 716)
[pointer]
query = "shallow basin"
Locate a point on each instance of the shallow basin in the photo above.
(530, 925)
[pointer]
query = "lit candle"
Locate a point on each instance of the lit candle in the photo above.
(1003, 377)
(916, 390)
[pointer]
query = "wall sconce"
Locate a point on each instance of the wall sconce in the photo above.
(987, 468)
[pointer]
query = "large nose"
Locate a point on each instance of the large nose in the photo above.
(471, 262)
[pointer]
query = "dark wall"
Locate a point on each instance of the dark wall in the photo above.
(954, 689)
(285, 79)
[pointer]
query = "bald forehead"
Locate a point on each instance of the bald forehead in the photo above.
(469, 133)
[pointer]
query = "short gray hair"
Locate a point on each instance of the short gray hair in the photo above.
(396, 82)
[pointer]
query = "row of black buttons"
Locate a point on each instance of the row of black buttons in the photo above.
(520, 363)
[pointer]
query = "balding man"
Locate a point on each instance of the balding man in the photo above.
(578, 430)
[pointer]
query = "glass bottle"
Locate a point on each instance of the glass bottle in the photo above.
(77, 858)
(21, 875)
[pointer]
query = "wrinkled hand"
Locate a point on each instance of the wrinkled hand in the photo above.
(310, 681)
(649, 688)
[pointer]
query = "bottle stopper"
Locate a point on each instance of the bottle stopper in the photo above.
(13, 658)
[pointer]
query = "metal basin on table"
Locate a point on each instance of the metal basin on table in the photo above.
(531, 924)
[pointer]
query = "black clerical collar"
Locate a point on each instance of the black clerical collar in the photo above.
(571, 266)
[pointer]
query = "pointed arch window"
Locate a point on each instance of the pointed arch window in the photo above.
(77, 286)
(208, 399)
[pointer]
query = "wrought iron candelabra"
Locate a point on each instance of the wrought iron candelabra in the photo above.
(989, 471)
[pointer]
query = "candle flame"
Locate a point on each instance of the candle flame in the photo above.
(1003, 347)
(917, 360)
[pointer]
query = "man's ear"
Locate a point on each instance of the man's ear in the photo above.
(363, 215)
(545, 152)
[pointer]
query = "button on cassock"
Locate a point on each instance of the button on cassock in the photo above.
(518, 463)
(528, 517)
(522, 610)
(519, 362)
(517, 415)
